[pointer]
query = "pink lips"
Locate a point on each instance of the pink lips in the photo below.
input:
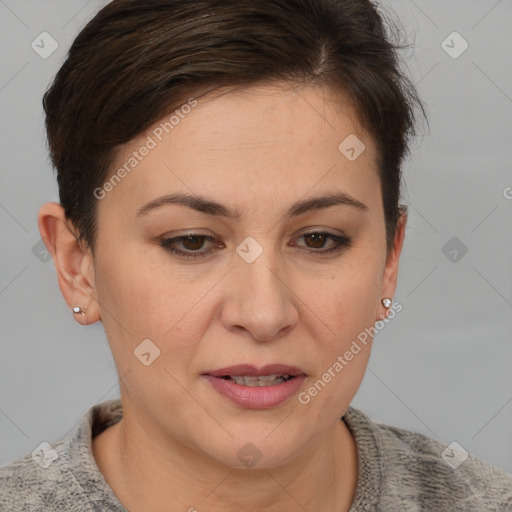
(256, 397)
(247, 369)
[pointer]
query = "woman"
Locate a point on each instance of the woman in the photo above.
(229, 177)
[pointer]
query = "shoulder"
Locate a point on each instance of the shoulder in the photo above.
(62, 475)
(39, 481)
(416, 472)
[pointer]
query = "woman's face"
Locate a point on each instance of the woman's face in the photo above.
(257, 289)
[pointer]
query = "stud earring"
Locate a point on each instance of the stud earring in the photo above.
(79, 310)
(386, 302)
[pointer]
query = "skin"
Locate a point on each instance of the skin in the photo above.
(260, 151)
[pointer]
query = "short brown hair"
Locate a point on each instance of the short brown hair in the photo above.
(138, 60)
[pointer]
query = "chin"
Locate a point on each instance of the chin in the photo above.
(259, 451)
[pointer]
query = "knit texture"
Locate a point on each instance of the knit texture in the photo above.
(399, 470)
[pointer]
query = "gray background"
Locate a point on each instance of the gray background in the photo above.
(441, 367)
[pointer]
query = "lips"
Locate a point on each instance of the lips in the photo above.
(256, 388)
(247, 370)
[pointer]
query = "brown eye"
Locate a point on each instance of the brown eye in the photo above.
(316, 240)
(192, 246)
(189, 245)
(193, 242)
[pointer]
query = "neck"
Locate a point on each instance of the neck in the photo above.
(146, 475)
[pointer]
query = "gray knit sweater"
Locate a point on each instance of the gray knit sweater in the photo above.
(399, 470)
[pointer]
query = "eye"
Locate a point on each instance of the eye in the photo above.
(192, 244)
(316, 240)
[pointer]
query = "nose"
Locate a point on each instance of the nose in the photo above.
(259, 300)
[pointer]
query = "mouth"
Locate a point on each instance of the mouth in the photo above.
(260, 380)
(256, 388)
(248, 375)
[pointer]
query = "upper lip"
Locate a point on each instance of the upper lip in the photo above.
(250, 370)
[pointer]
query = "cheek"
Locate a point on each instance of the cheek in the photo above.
(344, 299)
(142, 299)
(138, 303)
(342, 307)
(341, 354)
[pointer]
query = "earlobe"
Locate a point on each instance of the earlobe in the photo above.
(74, 265)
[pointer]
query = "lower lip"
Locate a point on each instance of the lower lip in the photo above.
(256, 397)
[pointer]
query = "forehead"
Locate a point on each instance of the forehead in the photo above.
(265, 143)
(266, 116)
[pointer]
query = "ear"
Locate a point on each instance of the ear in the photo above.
(390, 274)
(74, 265)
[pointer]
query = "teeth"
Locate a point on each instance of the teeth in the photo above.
(259, 381)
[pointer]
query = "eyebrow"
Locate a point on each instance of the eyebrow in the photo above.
(211, 207)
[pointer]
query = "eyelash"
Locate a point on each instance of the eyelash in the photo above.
(341, 243)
